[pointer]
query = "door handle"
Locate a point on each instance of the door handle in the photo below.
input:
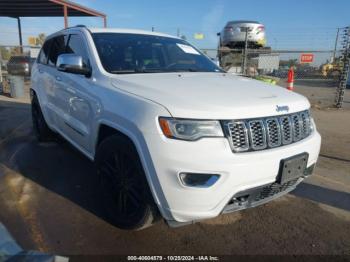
(58, 78)
(71, 90)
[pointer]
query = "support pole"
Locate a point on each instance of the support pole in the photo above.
(20, 34)
(343, 78)
(244, 65)
(335, 46)
(65, 13)
(105, 22)
(1, 72)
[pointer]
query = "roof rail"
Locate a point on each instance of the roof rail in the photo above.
(75, 26)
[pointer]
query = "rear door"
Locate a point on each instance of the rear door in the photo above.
(43, 82)
(54, 101)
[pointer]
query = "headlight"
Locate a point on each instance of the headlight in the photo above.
(190, 129)
(312, 125)
(312, 122)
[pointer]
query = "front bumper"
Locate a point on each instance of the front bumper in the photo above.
(260, 195)
(239, 172)
(240, 38)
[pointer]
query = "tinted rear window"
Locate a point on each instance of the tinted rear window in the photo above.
(44, 52)
(19, 59)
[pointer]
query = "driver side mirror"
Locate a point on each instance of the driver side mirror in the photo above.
(71, 63)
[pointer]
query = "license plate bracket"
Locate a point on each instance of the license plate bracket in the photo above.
(292, 168)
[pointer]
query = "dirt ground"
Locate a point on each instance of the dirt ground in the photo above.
(49, 202)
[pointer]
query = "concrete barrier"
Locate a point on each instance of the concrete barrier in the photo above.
(16, 86)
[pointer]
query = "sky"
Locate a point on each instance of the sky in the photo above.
(290, 24)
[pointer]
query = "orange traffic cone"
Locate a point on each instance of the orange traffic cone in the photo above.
(290, 80)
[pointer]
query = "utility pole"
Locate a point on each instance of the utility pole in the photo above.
(2, 90)
(335, 45)
(152, 28)
(178, 32)
(20, 35)
(244, 65)
(65, 15)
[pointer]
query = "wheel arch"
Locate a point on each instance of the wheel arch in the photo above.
(32, 94)
(106, 129)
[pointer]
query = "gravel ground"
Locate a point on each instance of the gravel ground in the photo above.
(48, 200)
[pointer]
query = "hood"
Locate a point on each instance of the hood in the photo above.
(211, 95)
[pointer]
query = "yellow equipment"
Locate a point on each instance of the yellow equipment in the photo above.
(331, 69)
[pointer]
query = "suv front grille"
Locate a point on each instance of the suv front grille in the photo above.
(258, 134)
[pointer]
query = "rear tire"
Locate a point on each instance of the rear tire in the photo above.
(41, 130)
(127, 199)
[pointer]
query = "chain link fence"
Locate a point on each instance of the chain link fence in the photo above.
(319, 77)
(317, 73)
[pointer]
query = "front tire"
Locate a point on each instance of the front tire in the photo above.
(128, 202)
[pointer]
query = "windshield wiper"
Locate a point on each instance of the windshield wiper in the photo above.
(123, 71)
(187, 70)
(137, 71)
(133, 71)
(151, 71)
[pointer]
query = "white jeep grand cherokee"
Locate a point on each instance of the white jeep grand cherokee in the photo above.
(171, 134)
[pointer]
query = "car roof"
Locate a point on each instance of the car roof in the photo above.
(111, 30)
(243, 22)
(128, 31)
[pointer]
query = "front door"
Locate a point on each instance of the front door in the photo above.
(75, 99)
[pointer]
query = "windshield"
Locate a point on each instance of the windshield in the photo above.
(122, 53)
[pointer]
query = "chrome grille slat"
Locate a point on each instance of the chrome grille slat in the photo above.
(305, 119)
(296, 124)
(257, 134)
(271, 132)
(286, 129)
(239, 136)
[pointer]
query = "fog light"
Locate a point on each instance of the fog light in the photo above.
(199, 180)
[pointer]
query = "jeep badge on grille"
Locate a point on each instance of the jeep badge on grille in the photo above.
(282, 108)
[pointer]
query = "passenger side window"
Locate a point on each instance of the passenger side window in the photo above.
(76, 46)
(44, 52)
(58, 47)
